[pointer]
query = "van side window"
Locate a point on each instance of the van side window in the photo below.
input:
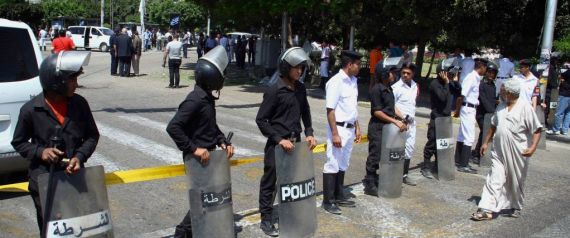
(95, 32)
(77, 30)
(21, 64)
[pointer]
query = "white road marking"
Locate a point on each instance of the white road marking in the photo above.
(146, 146)
(159, 126)
(99, 159)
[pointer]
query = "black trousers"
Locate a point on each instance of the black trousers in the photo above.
(174, 69)
(35, 194)
(374, 147)
(125, 65)
(267, 183)
(114, 63)
(430, 148)
(200, 52)
(184, 229)
(477, 151)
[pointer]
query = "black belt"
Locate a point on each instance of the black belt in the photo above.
(345, 124)
(502, 77)
(469, 105)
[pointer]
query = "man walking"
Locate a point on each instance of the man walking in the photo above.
(43, 38)
(515, 130)
(342, 131)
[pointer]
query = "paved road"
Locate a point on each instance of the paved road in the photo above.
(132, 114)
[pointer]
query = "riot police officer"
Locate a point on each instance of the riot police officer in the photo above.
(57, 110)
(440, 96)
(279, 118)
(383, 112)
(193, 128)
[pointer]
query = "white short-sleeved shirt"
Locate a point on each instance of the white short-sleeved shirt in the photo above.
(342, 95)
(470, 88)
(467, 66)
(527, 86)
(405, 97)
(325, 52)
(43, 34)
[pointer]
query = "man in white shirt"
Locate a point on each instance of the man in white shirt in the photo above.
(529, 83)
(506, 71)
(342, 131)
(466, 109)
(324, 67)
(43, 39)
(467, 65)
(405, 94)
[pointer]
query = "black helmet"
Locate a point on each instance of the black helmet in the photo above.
(492, 66)
(56, 69)
(291, 58)
(451, 65)
(210, 69)
(388, 65)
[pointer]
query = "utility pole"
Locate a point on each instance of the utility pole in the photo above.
(102, 12)
(548, 30)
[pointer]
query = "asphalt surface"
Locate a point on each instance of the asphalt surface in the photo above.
(132, 114)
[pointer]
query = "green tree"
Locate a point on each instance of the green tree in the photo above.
(191, 14)
(20, 10)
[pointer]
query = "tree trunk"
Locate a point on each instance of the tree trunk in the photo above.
(420, 56)
(431, 63)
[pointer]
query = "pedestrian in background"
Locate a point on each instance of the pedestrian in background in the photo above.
(125, 52)
(113, 51)
(251, 51)
(324, 67)
(43, 35)
(174, 54)
(62, 43)
(200, 45)
(562, 115)
(186, 43)
(374, 58)
(137, 46)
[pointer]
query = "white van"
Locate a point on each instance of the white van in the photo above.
(19, 82)
(91, 37)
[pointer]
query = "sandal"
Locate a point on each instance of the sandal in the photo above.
(481, 215)
(515, 213)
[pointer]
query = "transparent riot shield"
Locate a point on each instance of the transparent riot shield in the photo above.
(296, 190)
(79, 204)
(540, 114)
(210, 195)
(391, 162)
(486, 158)
(445, 145)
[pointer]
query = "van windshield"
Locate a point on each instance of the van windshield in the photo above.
(106, 31)
(21, 64)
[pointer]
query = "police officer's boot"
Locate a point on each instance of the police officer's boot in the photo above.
(370, 183)
(458, 149)
(329, 203)
(464, 162)
(341, 199)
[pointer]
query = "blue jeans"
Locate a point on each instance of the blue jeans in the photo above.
(562, 115)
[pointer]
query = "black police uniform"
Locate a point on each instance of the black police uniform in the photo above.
(487, 104)
(381, 99)
(194, 126)
(440, 97)
(36, 125)
(114, 59)
(279, 117)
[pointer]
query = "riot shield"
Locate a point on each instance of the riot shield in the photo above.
(540, 114)
(486, 158)
(210, 195)
(445, 145)
(553, 105)
(79, 204)
(296, 191)
(392, 157)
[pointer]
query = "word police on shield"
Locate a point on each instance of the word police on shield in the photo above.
(297, 191)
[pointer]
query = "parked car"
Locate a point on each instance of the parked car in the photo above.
(19, 82)
(91, 37)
